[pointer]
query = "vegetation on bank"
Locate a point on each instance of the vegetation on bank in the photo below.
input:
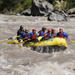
(16, 6)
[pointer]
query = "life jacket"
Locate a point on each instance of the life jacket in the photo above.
(65, 35)
(19, 32)
(44, 35)
(22, 35)
(60, 35)
(34, 36)
(49, 35)
(26, 36)
(53, 35)
(41, 33)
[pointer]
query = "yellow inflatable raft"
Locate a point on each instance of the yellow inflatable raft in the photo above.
(51, 42)
(21, 41)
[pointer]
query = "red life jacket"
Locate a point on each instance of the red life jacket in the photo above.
(34, 36)
(60, 35)
(26, 36)
(48, 34)
(44, 36)
(53, 35)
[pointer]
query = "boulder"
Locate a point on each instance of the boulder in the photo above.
(44, 8)
(39, 8)
(57, 16)
(26, 12)
(71, 11)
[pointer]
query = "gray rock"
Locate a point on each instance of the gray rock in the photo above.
(39, 8)
(44, 8)
(26, 12)
(57, 16)
(71, 11)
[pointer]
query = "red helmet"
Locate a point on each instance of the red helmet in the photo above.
(33, 29)
(43, 27)
(49, 30)
(52, 29)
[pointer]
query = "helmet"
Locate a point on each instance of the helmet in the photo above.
(21, 27)
(43, 27)
(49, 30)
(52, 29)
(33, 29)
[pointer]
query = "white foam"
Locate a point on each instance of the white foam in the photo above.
(46, 68)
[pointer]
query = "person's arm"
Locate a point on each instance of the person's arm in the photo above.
(37, 35)
(18, 33)
(29, 36)
(57, 35)
(50, 35)
(66, 36)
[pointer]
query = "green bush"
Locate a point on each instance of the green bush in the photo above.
(1, 1)
(64, 4)
(16, 6)
(60, 5)
(23, 5)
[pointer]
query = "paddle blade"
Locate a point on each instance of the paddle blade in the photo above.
(3, 40)
(73, 41)
(12, 42)
(39, 38)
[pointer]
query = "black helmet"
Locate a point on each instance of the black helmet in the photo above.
(21, 27)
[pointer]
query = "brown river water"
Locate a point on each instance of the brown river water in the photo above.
(19, 60)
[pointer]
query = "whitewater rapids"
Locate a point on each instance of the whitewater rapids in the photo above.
(18, 60)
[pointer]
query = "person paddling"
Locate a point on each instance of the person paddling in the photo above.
(20, 31)
(53, 33)
(49, 34)
(42, 32)
(62, 34)
(24, 35)
(33, 36)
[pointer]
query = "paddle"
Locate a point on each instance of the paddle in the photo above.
(72, 41)
(10, 38)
